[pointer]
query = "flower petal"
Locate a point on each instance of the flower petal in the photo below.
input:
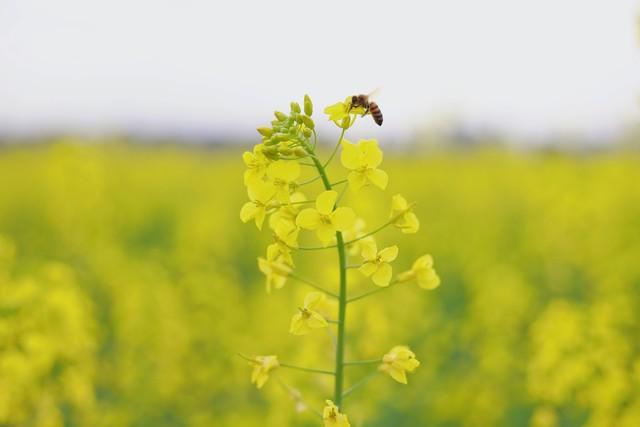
(285, 170)
(357, 180)
(316, 321)
(389, 254)
(248, 211)
(343, 218)
(382, 276)
(369, 249)
(368, 268)
(378, 177)
(397, 374)
(298, 325)
(260, 215)
(308, 219)
(371, 154)
(312, 299)
(351, 157)
(325, 201)
(325, 233)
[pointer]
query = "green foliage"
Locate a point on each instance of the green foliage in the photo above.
(127, 285)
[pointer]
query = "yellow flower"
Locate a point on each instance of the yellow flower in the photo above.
(262, 365)
(256, 163)
(406, 220)
(376, 264)
(423, 272)
(398, 362)
(260, 194)
(283, 173)
(355, 232)
(274, 267)
(307, 318)
(288, 212)
(324, 220)
(332, 416)
(363, 161)
(286, 237)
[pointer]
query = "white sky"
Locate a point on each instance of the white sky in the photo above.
(529, 67)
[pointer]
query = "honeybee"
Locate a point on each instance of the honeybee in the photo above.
(369, 106)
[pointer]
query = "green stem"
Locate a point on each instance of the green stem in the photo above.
(362, 362)
(375, 291)
(334, 152)
(300, 368)
(342, 300)
(296, 395)
(359, 384)
(313, 285)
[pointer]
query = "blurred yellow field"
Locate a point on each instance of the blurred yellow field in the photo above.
(128, 285)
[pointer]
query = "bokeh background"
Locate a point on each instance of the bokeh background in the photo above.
(128, 283)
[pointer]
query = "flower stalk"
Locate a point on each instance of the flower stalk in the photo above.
(274, 188)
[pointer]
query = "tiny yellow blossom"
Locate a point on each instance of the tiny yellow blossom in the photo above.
(256, 163)
(332, 416)
(262, 365)
(324, 219)
(363, 161)
(288, 212)
(286, 237)
(398, 362)
(406, 220)
(274, 268)
(338, 111)
(260, 194)
(376, 264)
(307, 318)
(283, 173)
(423, 272)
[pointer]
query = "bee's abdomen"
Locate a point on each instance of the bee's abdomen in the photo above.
(375, 113)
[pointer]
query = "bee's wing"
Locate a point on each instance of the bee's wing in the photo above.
(374, 94)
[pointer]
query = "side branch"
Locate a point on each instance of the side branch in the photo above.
(383, 226)
(313, 285)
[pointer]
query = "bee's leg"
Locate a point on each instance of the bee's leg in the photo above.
(366, 111)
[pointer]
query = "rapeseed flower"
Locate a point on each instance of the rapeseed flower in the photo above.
(332, 416)
(423, 272)
(376, 264)
(262, 365)
(398, 362)
(324, 219)
(260, 193)
(405, 219)
(283, 174)
(363, 160)
(308, 318)
(274, 267)
(288, 212)
(256, 163)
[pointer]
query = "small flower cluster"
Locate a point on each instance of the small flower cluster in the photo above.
(274, 188)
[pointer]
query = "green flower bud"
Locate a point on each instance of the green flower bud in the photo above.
(295, 107)
(271, 152)
(270, 141)
(308, 106)
(285, 151)
(307, 132)
(308, 122)
(299, 152)
(265, 131)
(280, 116)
